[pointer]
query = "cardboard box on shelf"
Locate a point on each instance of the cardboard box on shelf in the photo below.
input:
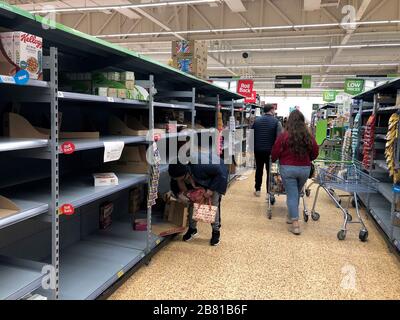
(135, 197)
(193, 66)
(105, 219)
(195, 49)
(133, 160)
(127, 76)
(112, 93)
(129, 84)
(175, 219)
(122, 93)
(7, 207)
(114, 76)
(16, 126)
(101, 91)
(105, 179)
(20, 50)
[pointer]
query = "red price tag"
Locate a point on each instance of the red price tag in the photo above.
(67, 209)
(68, 148)
(157, 137)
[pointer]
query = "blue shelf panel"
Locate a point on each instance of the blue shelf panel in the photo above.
(19, 277)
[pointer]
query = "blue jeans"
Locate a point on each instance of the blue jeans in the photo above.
(294, 178)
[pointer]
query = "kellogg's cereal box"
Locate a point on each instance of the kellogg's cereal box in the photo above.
(20, 50)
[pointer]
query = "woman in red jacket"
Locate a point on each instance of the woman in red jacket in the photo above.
(295, 148)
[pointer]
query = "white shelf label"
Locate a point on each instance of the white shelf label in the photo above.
(7, 79)
(113, 150)
(110, 99)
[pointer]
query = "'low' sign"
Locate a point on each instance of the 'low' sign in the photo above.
(354, 86)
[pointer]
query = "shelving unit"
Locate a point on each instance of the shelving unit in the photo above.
(382, 205)
(85, 261)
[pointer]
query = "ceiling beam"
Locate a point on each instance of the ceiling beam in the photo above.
(246, 22)
(236, 5)
(169, 21)
(79, 21)
(105, 24)
(209, 24)
(375, 9)
(359, 14)
(158, 22)
(329, 15)
(280, 12)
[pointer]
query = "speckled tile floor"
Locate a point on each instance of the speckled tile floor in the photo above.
(259, 259)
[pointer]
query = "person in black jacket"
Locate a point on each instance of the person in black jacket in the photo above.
(206, 173)
(266, 130)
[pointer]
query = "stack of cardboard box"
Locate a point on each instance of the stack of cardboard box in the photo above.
(190, 57)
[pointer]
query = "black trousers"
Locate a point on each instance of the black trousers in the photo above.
(262, 160)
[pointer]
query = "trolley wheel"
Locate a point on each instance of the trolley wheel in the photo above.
(363, 236)
(341, 235)
(269, 214)
(308, 192)
(305, 216)
(315, 216)
(272, 200)
(349, 217)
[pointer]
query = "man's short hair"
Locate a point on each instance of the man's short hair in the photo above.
(268, 108)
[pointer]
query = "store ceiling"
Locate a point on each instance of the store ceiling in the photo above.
(280, 36)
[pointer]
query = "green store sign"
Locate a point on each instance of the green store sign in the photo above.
(306, 82)
(329, 95)
(354, 86)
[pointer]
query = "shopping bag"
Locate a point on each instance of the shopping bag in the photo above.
(203, 212)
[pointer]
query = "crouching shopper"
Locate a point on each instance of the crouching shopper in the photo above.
(212, 177)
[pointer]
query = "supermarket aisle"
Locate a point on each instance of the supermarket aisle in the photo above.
(259, 259)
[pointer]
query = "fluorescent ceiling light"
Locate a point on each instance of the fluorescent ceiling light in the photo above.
(124, 6)
(282, 27)
(308, 66)
(352, 46)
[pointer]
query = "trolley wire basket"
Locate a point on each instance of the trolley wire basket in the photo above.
(345, 176)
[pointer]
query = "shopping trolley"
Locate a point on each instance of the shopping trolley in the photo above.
(276, 188)
(346, 177)
(327, 157)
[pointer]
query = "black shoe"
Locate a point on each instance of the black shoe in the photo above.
(215, 238)
(190, 234)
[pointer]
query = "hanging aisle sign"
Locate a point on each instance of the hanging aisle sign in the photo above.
(252, 98)
(329, 95)
(354, 86)
(245, 87)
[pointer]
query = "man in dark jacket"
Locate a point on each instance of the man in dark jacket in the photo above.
(211, 174)
(266, 130)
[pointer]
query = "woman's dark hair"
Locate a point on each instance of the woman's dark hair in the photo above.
(300, 139)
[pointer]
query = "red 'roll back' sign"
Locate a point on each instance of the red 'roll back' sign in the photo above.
(245, 87)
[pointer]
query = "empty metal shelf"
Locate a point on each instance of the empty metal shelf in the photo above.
(72, 96)
(11, 144)
(172, 106)
(120, 233)
(87, 144)
(78, 191)
(88, 268)
(386, 189)
(19, 277)
(28, 209)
